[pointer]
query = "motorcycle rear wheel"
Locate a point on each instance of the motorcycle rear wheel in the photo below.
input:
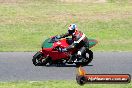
(87, 60)
(90, 58)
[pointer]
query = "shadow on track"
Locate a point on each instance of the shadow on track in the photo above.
(72, 65)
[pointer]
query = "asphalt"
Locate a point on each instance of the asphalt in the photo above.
(17, 66)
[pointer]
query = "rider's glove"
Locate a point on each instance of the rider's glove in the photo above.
(62, 50)
(58, 37)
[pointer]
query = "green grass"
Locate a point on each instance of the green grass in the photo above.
(59, 84)
(25, 24)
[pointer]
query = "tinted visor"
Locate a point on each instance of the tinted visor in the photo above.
(71, 31)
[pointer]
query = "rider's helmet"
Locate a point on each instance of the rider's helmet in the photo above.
(72, 28)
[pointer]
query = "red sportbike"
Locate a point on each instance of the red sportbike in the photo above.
(50, 53)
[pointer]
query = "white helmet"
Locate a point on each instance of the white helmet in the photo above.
(72, 28)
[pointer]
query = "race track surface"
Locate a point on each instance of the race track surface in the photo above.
(16, 66)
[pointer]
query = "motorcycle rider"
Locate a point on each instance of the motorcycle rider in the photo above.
(80, 41)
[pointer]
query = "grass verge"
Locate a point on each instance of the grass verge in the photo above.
(59, 84)
(25, 24)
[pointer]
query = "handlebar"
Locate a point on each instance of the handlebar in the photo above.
(54, 39)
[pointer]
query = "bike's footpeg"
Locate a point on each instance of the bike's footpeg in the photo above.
(70, 62)
(78, 61)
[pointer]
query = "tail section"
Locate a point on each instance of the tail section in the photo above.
(92, 42)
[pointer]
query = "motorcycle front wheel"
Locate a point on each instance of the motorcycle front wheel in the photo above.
(37, 59)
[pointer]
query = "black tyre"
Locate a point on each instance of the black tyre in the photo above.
(90, 58)
(37, 59)
(86, 59)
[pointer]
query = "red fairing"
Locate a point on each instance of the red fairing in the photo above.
(54, 54)
(52, 48)
(62, 43)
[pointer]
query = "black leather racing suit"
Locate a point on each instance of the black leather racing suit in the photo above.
(80, 41)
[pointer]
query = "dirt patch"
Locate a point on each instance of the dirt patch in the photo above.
(12, 1)
(94, 16)
(89, 1)
(64, 17)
